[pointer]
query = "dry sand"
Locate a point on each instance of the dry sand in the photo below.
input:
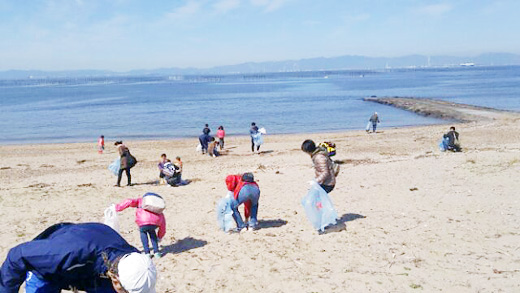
(412, 218)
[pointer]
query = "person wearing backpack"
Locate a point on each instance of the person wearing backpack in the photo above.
(127, 162)
(325, 169)
(147, 220)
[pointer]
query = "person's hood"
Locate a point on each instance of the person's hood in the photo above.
(232, 182)
(137, 273)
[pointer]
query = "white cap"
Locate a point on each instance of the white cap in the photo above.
(137, 273)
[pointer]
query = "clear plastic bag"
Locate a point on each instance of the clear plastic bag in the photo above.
(318, 207)
(258, 139)
(111, 219)
(443, 145)
(225, 213)
(114, 167)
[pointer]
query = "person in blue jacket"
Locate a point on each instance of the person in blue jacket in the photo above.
(90, 257)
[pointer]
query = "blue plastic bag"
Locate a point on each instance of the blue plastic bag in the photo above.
(319, 208)
(443, 145)
(225, 214)
(114, 167)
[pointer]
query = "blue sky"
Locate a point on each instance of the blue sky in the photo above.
(135, 34)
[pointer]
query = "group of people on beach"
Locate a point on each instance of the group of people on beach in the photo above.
(93, 257)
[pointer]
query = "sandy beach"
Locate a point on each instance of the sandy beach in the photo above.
(411, 217)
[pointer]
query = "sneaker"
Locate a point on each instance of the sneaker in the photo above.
(157, 255)
(147, 254)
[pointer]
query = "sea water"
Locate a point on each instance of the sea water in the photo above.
(49, 110)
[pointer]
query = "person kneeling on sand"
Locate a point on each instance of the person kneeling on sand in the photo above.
(160, 166)
(245, 191)
(148, 222)
(213, 148)
(324, 167)
(452, 140)
(90, 257)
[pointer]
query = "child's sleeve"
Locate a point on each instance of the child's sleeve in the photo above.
(131, 202)
(162, 227)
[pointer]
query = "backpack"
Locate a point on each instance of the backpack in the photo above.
(170, 169)
(153, 202)
(329, 146)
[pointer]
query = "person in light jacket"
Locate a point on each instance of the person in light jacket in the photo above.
(323, 165)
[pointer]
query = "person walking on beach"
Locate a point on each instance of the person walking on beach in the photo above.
(252, 132)
(89, 257)
(324, 167)
(147, 221)
(221, 134)
(452, 138)
(245, 191)
(374, 119)
(127, 162)
(101, 144)
(206, 129)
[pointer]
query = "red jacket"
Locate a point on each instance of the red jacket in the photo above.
(234, 183)
(142, 216)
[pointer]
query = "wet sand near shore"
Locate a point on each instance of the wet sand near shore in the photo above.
(411, 217)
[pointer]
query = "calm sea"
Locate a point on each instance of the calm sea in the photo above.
(159, 107)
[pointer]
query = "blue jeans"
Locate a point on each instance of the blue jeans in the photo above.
(248, 192)
(374, 126)
(33, 284)
(149, 230)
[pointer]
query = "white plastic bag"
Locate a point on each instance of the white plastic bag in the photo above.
(114, 167)
(111, 219)
(262, 130)
(198, 149)
(318, 207)
(225, 213)
(258, 139)
(368, 125)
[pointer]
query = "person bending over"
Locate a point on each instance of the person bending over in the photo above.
(323, 165)
(90, 257)
(453, 140)
(245, 191)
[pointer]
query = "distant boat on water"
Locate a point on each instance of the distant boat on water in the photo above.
(467, 64)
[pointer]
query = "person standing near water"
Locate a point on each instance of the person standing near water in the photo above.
(221, 133)
(206, 129)
(374, 119)
(101, 144)
(252, 132)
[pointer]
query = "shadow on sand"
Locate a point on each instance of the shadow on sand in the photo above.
(340, 225)
(183, 245)
(264, 224)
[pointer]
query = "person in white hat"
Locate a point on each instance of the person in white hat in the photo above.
(89, 257)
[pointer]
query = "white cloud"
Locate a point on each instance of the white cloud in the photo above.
(269, 5)
(189, 9)
(434, 9)
(224, 6)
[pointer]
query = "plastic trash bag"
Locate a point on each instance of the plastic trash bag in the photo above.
(443, 145)
(262, 131)
(114, 167)
(369, 124)
(111, 219)
(198, 149)
(258, 140)
(225, 213)
(318, 207)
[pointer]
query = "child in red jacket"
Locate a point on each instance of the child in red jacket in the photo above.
(148, 222)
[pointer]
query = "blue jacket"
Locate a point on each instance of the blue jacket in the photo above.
(66, 255)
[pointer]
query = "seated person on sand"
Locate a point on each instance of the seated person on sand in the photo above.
(245, 191)
(171, 174)
(162, 161)
(178, 163)
(89, 257)
(451, 140)
(213, 148)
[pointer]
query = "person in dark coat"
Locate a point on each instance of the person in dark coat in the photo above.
(206, 129)
(124, 153)
(90, 257)
(204, 140)
(453, 140)
(374, 119)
